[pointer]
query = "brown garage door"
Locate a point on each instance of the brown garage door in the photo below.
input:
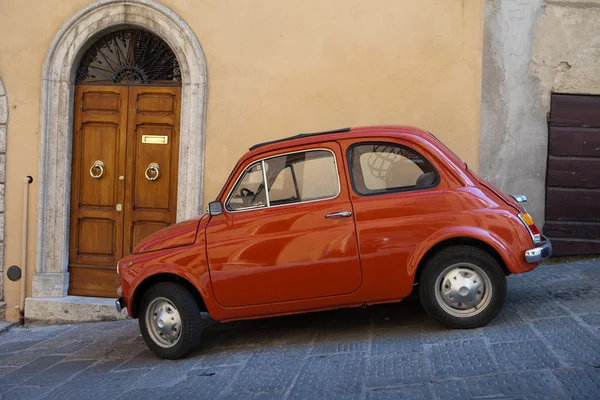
(573, 175)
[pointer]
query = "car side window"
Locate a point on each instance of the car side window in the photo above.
(378, 168)
(250, 190)
(303, 176)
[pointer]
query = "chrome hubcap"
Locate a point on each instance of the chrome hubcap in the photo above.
(463, 290)
(163, 322)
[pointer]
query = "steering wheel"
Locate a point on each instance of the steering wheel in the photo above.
(247, 196)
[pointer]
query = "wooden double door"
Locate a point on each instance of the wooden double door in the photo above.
(124, 177)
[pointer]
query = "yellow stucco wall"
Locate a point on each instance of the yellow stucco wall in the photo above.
(275, 68)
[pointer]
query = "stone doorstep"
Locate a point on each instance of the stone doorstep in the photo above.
(71, 309)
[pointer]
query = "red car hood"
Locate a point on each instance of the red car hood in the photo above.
(180, 234)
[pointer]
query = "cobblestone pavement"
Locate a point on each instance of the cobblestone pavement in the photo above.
(545, 344)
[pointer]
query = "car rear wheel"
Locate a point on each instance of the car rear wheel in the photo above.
(170, 320)
(463, 287)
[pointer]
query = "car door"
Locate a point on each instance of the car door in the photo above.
(286, 232)
(399, 200)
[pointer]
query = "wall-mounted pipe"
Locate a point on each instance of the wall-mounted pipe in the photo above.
(26, 183)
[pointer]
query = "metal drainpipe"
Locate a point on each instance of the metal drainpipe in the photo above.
(26, 183)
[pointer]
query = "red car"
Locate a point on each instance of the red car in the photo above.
(333, 219)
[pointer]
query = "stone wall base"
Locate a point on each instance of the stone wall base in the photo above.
(71, 309)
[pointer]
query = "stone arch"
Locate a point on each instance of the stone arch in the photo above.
(3, 129)
(56, 132)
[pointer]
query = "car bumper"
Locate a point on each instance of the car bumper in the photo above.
(120, 304)
(540, 253)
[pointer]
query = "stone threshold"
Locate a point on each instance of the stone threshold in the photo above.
(71, 309)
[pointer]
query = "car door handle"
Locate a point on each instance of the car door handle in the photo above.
(341, 214)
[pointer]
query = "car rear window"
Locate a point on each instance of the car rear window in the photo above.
(386, 167)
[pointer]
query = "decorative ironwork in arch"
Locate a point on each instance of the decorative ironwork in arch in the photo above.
(129, 56)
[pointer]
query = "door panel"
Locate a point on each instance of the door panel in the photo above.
(148, 194)
(99, 142)
(96, 237)
(284, 253)
(151, 205)
(143, 229)
(96, 231)
(110, 125)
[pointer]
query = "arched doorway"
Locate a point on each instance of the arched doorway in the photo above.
(69, 45)
(125, 153)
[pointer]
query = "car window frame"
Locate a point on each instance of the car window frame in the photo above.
(435, 183)
(262, 162)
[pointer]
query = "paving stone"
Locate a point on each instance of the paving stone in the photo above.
(575, 344)
(33, 368)
(398, 340)
(461, 359)
(437, 333)
(413, 392)
(164, 374)
(522, 385)
(523, 356)
(5, 389)
(267, 373)
(397, 369)
(549, 276)
(111, 348)
(581, 383)
(6, 370)
(534, 302)
(330, 376)
(58, 373)
(16, 346)
(60, 347)
(147, 394)
(268, 395)
(207, 383)
(507, 327)
(592, 319)
(35, 333)
(223, 357)
(578, 300)
(26, 392)
(96, 380)
(18, 359)
(341, 341)
(146, 360)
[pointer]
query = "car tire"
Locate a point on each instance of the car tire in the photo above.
(170, 320)
(463, 287)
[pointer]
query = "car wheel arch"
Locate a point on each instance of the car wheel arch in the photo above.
(442, 244)
(151, 280)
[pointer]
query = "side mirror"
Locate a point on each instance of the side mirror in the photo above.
(215, 208)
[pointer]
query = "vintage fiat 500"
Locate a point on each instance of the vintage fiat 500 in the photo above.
(343, 218)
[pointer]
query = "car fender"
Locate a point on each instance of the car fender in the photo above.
(200, 285)
(455, 232)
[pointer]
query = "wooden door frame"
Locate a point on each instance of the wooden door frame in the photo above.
(51, 278)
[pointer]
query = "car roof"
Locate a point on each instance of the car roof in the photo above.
(400, 131)
(343, 133)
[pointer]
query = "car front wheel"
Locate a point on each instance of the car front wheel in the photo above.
(170, 320)
(463, 287)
